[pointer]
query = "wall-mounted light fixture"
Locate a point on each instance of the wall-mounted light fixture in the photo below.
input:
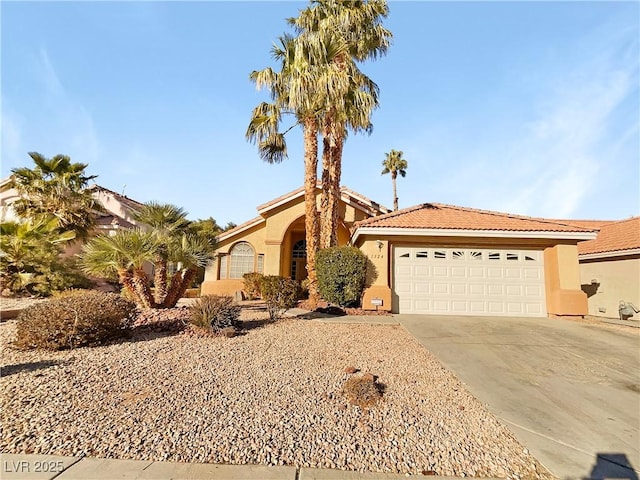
(379, 244)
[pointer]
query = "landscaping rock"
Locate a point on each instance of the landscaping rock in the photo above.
(271, 396)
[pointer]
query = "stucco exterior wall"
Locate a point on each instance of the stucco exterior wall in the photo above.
(616, 279)
(562, 282)
(275, 237)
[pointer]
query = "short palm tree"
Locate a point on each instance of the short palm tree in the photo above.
(394, 164)
(167, 223)
(58, 188)
(28, 250)
(124, 254)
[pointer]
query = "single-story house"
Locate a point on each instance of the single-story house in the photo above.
(431, 258)
(274, 243)
(610, 266)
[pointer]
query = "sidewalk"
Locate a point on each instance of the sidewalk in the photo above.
(48, 467)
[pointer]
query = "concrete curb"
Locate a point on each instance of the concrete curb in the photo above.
(49, 467)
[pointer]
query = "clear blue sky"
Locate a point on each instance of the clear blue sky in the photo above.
(529, 108)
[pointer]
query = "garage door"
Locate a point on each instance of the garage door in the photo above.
(463, 281)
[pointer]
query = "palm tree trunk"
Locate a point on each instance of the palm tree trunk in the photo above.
(126, 279)
(179, 284)
(325, 217)
(141, 285)
(160, 278)
(395, 193)
(310, 211)
(335, 172)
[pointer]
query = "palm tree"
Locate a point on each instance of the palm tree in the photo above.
(58, 188)
(394, 164)
(290, 94)
(190, 252)
(357, 24)
(28, 251)
(167, 222)
(125, 254)
(127, 251)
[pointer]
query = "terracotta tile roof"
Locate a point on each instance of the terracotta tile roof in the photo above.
(440, 216)
(591, 224)
(613, 237)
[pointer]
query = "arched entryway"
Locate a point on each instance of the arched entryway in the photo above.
(299, 260)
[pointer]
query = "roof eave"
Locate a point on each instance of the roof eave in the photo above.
(610, 254)
(242, 228)
(450, 232)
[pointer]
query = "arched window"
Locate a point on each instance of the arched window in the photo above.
(242, 259)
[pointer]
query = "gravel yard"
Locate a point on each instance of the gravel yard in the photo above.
(271, 396)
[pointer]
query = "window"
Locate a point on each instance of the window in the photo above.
(404, 255)
(457, 255)
(242, 260)
(439, 254)
(300, 249)
(223, 267)
(260, 268)
(512, 256)
(475, 255)
(528, 258)
(422, 255)
(494, 255)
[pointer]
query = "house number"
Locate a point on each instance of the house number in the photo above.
(377, 255)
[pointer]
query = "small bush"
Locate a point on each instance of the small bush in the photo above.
(303, 289)
(74, 319)
(252, 283)
(341, 275)
(279, 293)
(215, 312)
(363, 391)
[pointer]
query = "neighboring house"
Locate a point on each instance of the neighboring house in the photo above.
(610, 266)
(118, 211)
(431, 258)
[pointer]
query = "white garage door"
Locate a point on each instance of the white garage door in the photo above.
(469, 281)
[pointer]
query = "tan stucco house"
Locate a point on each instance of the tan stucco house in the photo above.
(431, 258)
(273, 243)
(610, 266)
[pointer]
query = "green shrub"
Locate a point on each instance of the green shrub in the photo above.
(215, 312)
(74, 319)
(252, 283)
(279, 293)
(341, 275)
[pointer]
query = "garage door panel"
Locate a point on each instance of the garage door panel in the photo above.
(440, 288)
(477, 272)
(494, 272)
(469, 281)
(513, 290)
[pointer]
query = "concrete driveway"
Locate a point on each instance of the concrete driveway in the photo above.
(569, 391)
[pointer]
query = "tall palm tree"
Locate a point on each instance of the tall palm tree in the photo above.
(291, 94)
(358, 25)
(394, 164)
(58, 188)
(167, 222)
